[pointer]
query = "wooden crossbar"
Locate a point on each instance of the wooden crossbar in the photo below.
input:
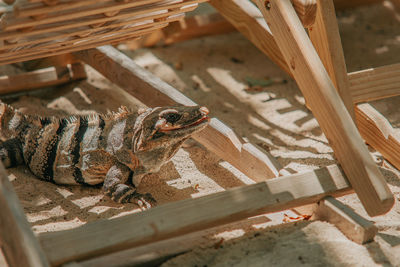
(192, 215)
(375, 83)
(51, 76)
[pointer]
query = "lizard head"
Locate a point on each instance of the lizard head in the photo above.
(167, 126)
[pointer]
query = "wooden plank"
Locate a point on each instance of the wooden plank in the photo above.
(185, 29)
(152, 91)
(152, 254)
(9, 22)
(351, 224)
(34, 44)
(54, 61)
(19, 244)
(41, 78)
(195, 27)
(377, 132)
(306, 10)
(79, 35)
(375, 83)
(23, 8)
(324, 35)
(248, 20)
(190, 215)
(89, 43)
(134, 14)
(329, 110)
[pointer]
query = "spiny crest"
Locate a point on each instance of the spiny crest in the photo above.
(122, 112)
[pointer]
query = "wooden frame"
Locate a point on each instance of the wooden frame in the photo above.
(309, 61)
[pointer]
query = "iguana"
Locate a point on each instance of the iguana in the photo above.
(116, 149)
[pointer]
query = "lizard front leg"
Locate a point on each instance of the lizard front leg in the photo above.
(115, 185)
(11, 153)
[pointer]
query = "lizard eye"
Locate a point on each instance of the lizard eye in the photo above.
(172, 117)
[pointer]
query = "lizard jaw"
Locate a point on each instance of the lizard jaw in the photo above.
(164, 126)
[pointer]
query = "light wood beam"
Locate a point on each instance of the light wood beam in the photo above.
(377, 132)
(329, 110)
(152, 91)
(306, 10)
(190, 215)
(41, 78)
(19, 244)
(324, 35)
(352, 225)
(375, 83)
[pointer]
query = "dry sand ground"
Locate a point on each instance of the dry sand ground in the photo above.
(213, 72)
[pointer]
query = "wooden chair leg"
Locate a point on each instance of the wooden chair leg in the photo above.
(324, 35)
(331, 113)
(19, 244)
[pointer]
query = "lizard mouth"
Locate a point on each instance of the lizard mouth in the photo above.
(164, 126)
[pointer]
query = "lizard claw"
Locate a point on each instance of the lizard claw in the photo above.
(144, 201)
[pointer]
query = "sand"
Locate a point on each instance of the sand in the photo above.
(214, 71)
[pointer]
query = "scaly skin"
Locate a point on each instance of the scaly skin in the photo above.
(116, 150)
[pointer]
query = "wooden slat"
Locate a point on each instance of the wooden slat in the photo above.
(195, 27)
(24, 8)
(41, 78)
(377, 132)
(54, 61)
(9, 22)
(65, 31)
(134, 14)
(329, 110)
(324, 35)
(152, 91)
(185, 29)
(92, 42)
(152, 254)
(190, 215)
(375, 83)
(71, 37)
(355, 227)
(19, 244)
(248, 20)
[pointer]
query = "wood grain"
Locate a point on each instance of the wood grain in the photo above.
(375, 83)
(306, 10)
(324, 35)
(70, 26)
(351, 224)
(190, 215)
(377, 132)
(152, 91)
(41, 78)
(329, 110)
(19, 244)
